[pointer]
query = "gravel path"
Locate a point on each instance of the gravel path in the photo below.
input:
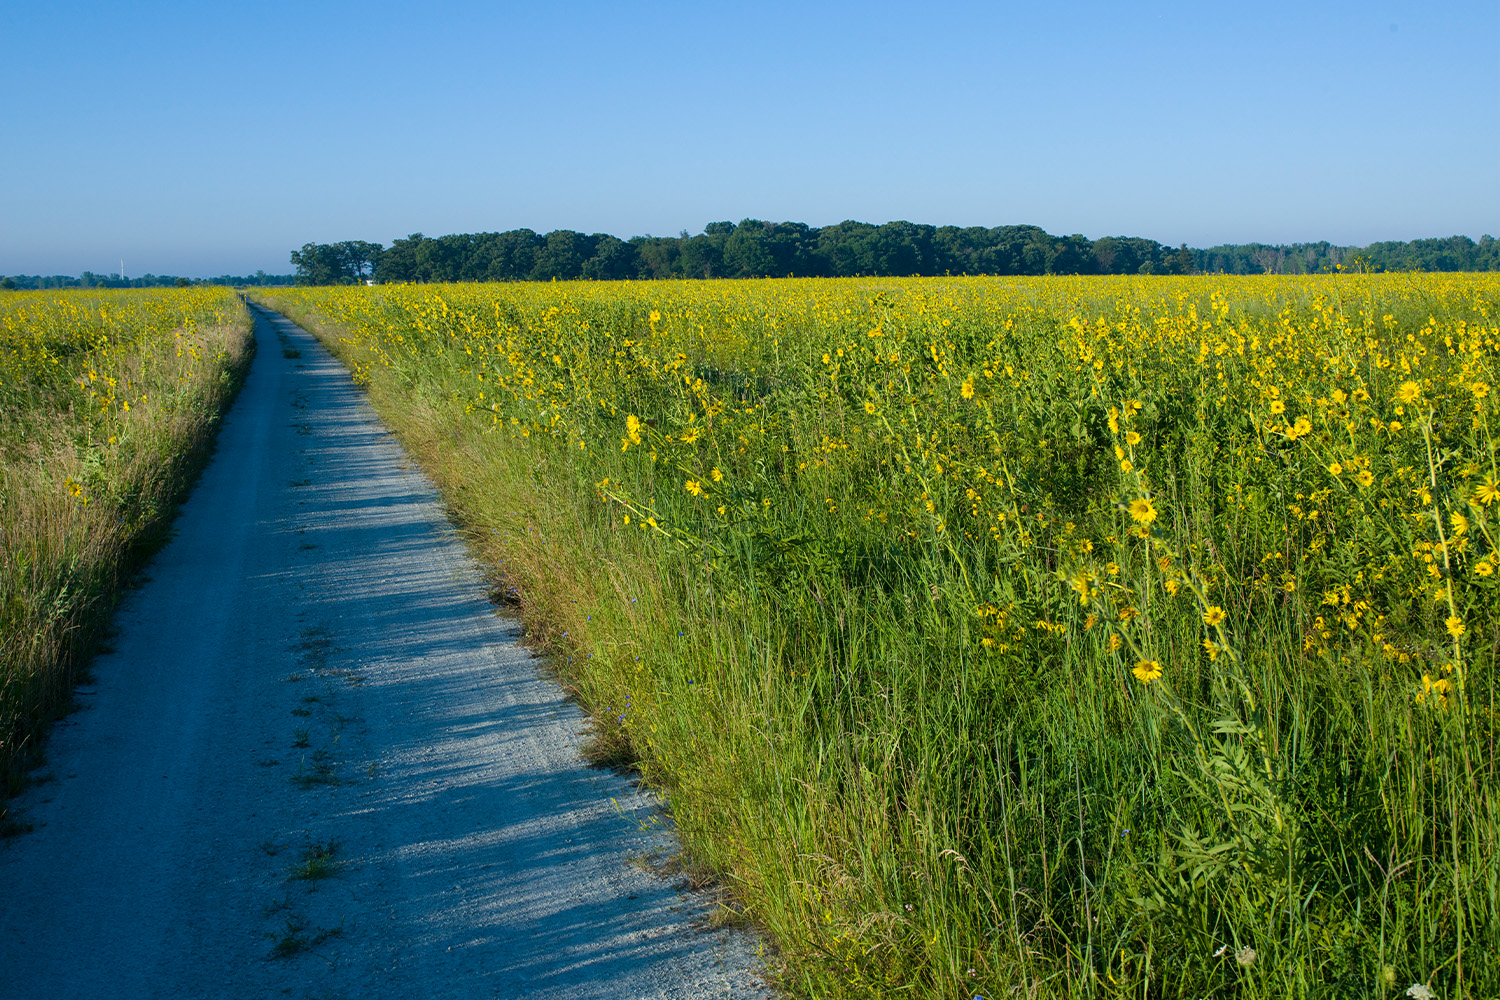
(318, 763)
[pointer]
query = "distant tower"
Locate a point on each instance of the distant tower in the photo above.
(122, 268)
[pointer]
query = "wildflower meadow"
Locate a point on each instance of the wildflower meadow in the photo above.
(108, 402)
(1075, 637)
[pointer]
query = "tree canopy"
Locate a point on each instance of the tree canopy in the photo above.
(755, 248)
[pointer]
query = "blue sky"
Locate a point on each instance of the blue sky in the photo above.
(207, 138)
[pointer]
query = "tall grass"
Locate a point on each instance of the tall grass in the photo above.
(1057, 637)
(108, 405)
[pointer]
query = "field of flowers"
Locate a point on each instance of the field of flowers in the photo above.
(108, 402)
(1035, 637)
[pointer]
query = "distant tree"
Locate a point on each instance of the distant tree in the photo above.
(1070, 255)
(8, 283)
(748, 252)
(318, 264)
(718, 232)
(442, 259)
(842, 250)
(658, 255)
(359, 259)
(613, 260)
(399, 262)
(790, 246)
(561, 256)
(700, 257)
(1182, 261)
(899, 249)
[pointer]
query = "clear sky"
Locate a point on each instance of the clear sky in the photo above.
(204, 138)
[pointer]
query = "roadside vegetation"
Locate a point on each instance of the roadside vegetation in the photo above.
(1060, 637)
(108, 405)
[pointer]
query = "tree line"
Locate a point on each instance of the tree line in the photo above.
(91, 280)
(754, 248)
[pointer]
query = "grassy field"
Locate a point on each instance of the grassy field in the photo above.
(1010, 637)
(108, 403)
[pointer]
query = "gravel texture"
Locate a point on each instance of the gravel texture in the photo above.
(319, 764)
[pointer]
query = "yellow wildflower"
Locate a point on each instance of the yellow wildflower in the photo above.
(1142, 511)
(1436, 689)
(1147, 671)
(1214, 616)
(1455, 626)
(1408, 392)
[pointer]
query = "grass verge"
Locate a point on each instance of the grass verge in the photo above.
(1065, 638)
(109, 402)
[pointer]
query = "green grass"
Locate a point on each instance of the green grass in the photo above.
(318, 862)
(884, 669)
(109, 402)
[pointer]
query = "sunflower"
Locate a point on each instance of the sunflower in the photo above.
(1142, 511)
(1147, 671)
(1487, 492)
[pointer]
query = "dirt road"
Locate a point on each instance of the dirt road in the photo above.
(318, 764)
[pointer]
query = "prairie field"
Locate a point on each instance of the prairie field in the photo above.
(1055, 637)
(108, 402)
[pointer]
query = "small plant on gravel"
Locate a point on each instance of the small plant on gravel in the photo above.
(321, 771)
(297, 935)
(318, 861)
(301, 734)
